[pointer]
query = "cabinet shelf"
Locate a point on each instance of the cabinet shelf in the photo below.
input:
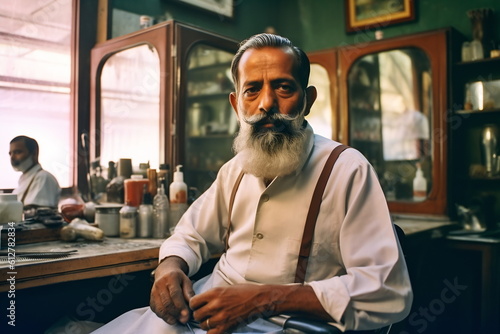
(204, 68)
(479, 62)
(467, 188)
(472, 112)
(485, 179)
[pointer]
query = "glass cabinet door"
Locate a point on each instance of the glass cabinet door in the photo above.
(130, 106)
(210, 120)
(393, 111)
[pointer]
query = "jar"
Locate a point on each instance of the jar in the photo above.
(128, 221)
(134, 188)
(477, 51)
(107, 217)
(11, 209)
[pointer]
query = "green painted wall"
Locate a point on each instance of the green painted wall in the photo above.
(311, 24)
(322, 22)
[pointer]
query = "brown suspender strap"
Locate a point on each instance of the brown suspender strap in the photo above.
(231, 203)
(312, 215)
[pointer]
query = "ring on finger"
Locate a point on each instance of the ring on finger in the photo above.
(208, 323)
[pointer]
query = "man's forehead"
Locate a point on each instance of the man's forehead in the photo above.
(18, 145)
(267, 53)
(274, 59)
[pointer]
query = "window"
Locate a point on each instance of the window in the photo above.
(35, 75)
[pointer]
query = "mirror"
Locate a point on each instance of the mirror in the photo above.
(130, 106)
(390, 107)
(321, 113)
(393, 104)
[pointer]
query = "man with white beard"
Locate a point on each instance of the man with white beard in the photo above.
(255, 215)
(37, 187)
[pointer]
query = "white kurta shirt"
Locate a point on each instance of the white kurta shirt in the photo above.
(356, 267)
(43, 191)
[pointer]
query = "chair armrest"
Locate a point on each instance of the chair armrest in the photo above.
(304, 325)
(307, 326)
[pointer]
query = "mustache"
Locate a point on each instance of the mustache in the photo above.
(272, 117)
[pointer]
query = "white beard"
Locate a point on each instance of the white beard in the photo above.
(271, 153)
(24, 165)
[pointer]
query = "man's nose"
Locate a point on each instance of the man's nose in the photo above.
(268, 100)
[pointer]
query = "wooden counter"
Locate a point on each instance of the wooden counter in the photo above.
(105, 279)
(115, 255)
(91, 259)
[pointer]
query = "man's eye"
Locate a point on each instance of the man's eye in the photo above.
(285, 88)
(251, 90)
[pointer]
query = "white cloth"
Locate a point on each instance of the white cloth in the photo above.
(401, 133)
(144, 321)
(356, 267)
(43, 191)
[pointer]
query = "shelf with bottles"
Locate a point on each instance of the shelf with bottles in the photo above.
(215, 119)
(204, 56)
(212, 78)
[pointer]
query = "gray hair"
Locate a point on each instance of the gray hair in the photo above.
(302, 65)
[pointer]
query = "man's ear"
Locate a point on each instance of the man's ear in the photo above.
(311, 94)
(234, 102)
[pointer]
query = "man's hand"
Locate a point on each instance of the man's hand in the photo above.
(220, 310)
(227, 307)
(172, 291)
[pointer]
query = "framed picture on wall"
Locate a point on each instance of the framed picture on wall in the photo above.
(221, 7)
(362, 15)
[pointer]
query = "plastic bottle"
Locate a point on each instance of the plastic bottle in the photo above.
(145, 228)
(419, 185)
(128, 221)
(160, 213)
(178, 197)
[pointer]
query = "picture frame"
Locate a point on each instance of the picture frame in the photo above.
(367, 15)
(221, 7)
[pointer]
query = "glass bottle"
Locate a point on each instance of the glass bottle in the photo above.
(145, 228)
(160, 213)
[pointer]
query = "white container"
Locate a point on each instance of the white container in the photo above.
(107, 217)
(128, 222)
(419, 186)
(178, 198)
(11, 209)
(178, 189)
(484, 94)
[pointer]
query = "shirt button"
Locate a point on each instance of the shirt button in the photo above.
(265, 198)
(259, 235)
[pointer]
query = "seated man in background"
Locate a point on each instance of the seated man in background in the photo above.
(356, 277)
(37, 187)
